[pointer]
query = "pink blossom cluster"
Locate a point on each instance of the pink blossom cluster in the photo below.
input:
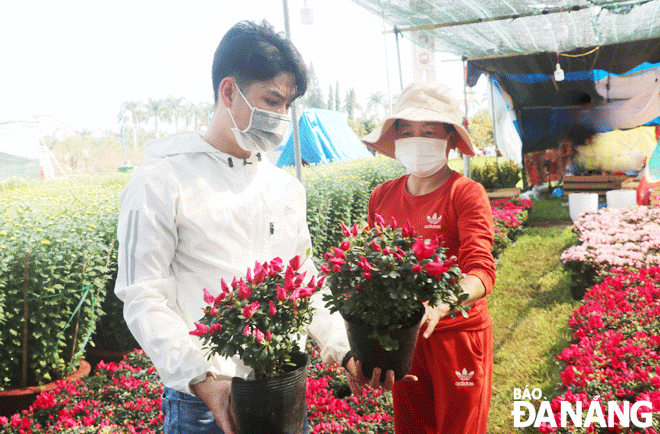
(330, 412)
(509, 217)
(617, 354)
(617, 238)
(119, 398)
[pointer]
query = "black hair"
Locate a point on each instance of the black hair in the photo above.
(252, 52)
(450, 128)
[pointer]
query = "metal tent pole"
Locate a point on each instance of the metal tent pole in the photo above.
(466, 158)
(398, 55)
(294, 116)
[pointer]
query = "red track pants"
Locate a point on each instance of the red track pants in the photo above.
(455, 371)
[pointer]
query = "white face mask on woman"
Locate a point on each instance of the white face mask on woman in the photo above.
(265, 131)
(421, 156)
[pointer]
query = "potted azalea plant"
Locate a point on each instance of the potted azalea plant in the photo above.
(260, 317)
(379, 278)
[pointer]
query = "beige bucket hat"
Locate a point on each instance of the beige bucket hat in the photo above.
(422, 102)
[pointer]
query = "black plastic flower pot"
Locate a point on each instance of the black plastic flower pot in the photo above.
(371, 353)
(274, 405)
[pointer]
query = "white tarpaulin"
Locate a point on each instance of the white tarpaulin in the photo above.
(506, 136)
(20, 139)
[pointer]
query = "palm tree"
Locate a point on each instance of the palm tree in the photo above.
(351, 104)
(203, 114)
(188, 113)
(176, 107)
(137, 113)
(331, 98)
(156, 108)
(375, 102)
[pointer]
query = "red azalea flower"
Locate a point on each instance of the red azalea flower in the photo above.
(435, 268)
(200, 330)
(259, 273)
(423, 250)
(408, 230)
(277, 265)
(339, 252)
(272, 310)
(208, 297)
(345, 230)
(393, 223)
(244, 290)
(295, 262)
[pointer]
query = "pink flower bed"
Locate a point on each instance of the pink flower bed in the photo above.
(616, 238)
(509, 218)
(617, 354)
(119, 398)
(126, 398)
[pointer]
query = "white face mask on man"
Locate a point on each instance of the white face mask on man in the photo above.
(265, 131)
(421, 156)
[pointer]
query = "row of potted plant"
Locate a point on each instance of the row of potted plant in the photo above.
(62, 237)
(616, 354)
(509, 217)
(125, 397)
(57, 250)
(626, 238)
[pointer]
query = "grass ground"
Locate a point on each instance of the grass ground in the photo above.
(530, 305)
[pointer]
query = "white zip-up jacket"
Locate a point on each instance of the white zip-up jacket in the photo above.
(190, 216)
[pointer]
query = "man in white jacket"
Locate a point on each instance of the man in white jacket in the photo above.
(202, 208)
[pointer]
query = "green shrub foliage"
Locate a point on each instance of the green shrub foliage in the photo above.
(57, 250)
(492, 175)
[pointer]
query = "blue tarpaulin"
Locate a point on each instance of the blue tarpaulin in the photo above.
(325, 136)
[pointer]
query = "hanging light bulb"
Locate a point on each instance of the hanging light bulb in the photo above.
(559, 73)
(306, 14)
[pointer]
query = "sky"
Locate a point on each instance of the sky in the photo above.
(78, 60)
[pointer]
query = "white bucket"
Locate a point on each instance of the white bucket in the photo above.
(621, 198)
(579, 203)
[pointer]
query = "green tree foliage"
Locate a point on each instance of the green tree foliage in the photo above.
(314, 96)
(481, 129)
(351, 104)
(331, 99)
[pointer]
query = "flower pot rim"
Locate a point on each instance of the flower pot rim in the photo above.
(83, 370)
(304, 359)
(355, 320)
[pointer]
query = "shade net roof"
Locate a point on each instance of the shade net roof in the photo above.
(486, 28)
(609, 51)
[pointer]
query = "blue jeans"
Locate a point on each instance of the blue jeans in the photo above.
(187, 414)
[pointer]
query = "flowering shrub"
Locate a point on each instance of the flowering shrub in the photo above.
(617, 354)
(259, 317)
(119, 399)
(626, 238)
(509, 217)
(339, 192)
(381, 275)
(125, 398)
(57, 250)
(331, 407)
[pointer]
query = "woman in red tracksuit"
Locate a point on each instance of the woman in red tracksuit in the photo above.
(453, 362)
